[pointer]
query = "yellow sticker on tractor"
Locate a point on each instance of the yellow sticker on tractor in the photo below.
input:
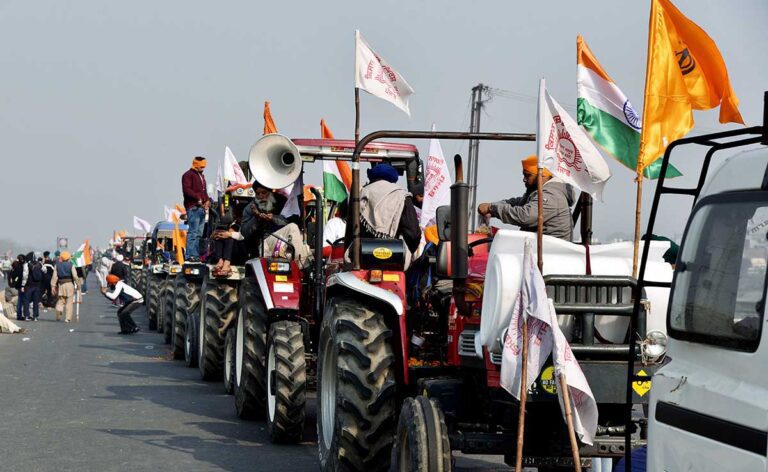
(391, 278)
(548, 380)
(382, 253)
(642, 387)
(281, 278)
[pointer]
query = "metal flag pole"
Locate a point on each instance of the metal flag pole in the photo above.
(354, 192)
(569, 422)
(523, 400)
(638, 206)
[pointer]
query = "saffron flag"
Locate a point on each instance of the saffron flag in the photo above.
(141, 225)
(269, 123)
(82, 257)
(179, 240)
(232, 171)
(437, 184)
(374, 75)
(606, 114)
(337, 176)
(565, 149)
(685, 72)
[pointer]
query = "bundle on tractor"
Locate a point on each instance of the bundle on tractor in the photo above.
(404, 377)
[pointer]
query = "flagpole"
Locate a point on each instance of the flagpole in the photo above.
(354, 192)
(569, 422)
(523, 400)
(540, 221)
(638, 207)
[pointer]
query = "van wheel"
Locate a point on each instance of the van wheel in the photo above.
(286, 382)
(421, 443)
(356, 388)
(250, 353)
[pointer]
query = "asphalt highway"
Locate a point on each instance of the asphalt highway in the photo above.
(80, 397)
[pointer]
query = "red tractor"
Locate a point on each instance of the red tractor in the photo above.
(280, 302)
(404, 375)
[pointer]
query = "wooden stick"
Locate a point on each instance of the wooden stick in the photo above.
(638, 207)
(569, 422)
(540, 221)
(523, 400)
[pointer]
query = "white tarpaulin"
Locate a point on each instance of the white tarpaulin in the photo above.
(374, 75)
(565, 149)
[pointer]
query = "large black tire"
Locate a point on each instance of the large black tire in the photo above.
(286, 382)
(219, 302)
(190, 340)
(165, 321)
(141, 279)
(185, 299)
(421, 442)
(356, 388)
(154, 284)
(229, 359)
(250, 352)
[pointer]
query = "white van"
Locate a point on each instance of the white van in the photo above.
(709, 403)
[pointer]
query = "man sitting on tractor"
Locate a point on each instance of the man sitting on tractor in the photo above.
(387, 211)
(523, 211)
(262, 222)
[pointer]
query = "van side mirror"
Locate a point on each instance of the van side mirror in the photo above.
(443, 219)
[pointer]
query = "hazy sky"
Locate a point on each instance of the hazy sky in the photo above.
(103, 104)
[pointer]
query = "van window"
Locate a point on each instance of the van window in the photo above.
(719, 290)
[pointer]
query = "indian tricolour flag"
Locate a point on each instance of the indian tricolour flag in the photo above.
(82, 257)
(337, 176)
(606, 114)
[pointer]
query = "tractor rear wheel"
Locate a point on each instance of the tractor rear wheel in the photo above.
(422, 440)
(219, 303)
(190, 340)
(154, 284)
(286, 382)
(185, 301)
(250, 352)
(356, 388)
(229, 359)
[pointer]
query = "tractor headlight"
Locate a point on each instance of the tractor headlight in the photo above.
(653, 349)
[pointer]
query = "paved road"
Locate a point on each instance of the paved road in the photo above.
(80, 397)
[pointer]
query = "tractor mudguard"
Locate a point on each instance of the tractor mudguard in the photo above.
(280, 290)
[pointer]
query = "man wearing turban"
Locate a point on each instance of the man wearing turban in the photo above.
(196, 202)
(523, 211)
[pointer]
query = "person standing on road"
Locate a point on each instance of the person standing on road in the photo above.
(32, 288)
(65, 283)
(119, 268)
(18, 280)
(46, 289)
(131, 299)
(196, 202)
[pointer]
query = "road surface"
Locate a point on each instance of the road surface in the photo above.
(80, 397)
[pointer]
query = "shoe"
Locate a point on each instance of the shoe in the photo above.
(136, 330)
(34, 319)
(28, 318)
(66, 321)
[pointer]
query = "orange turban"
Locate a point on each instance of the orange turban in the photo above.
(430, 234)
(112, 279)
(198, 163)
(65, 256)
(531, 164)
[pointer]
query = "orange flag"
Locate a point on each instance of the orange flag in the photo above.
(269, 123)
(685, 71)
(87, 253)
(178, 240)
(325, 132)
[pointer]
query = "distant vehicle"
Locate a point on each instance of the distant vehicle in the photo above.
(708, 403)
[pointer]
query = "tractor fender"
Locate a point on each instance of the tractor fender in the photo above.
(348, 282)
(281, 295)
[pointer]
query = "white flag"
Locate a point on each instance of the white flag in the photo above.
(566, 150)
(232, 171)
(292, 204)
(141, 225)
(170, 213)
(437, 184)
(374, 75)
(583, 404)
(219, 181)
(531, 305)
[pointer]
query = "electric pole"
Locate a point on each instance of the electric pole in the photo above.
(474, 148)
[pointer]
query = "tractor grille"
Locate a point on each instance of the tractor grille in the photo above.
(467, 344)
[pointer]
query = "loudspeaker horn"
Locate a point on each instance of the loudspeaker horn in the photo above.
(275, 161)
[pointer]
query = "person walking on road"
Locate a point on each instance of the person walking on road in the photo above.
(65, 283)
(196, 202)
(47, 290)
(131, 299)
(35, 279)
(18, 280)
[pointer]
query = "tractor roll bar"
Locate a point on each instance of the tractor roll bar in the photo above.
(354, 198)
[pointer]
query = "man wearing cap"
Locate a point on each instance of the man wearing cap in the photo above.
(65, 282)
(523, 211)
(119, 268)
(131, 299)
(196, 202)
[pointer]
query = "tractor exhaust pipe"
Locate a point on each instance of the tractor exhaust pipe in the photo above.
(459, 228)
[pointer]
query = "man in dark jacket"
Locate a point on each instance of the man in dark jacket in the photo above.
(119, 268)
(17, 280)
(523, 211)
(46, 290)
(32, 288)
(196, 202)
